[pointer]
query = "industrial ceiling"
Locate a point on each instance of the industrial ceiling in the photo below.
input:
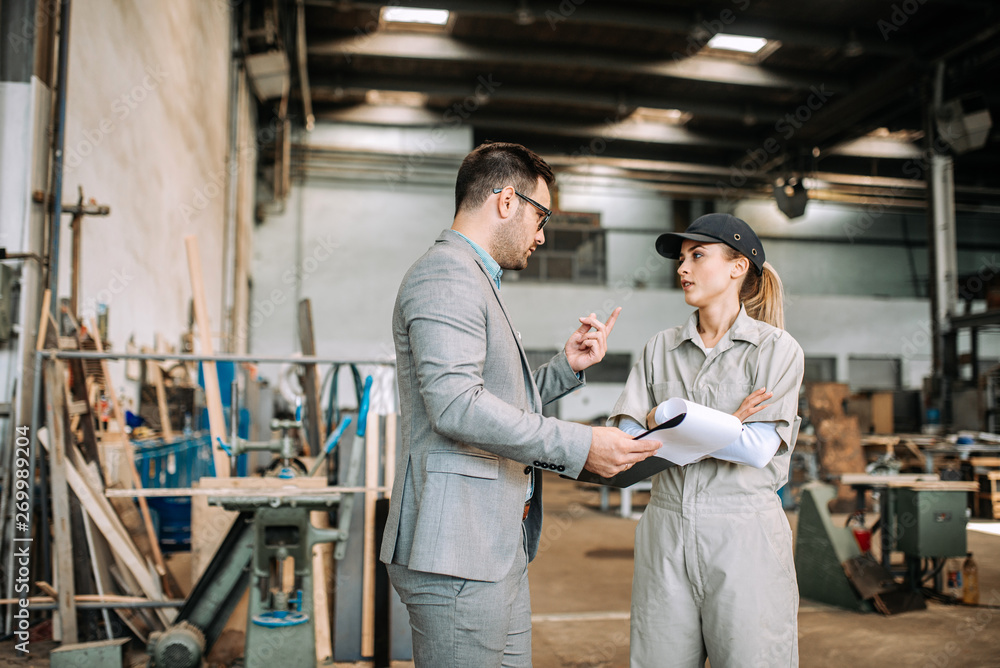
(844, 96)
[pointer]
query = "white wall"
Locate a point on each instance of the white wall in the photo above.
(351, 240)
(345, 246)
(146, 134)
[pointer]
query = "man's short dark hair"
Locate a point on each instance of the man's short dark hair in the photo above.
(498, 165)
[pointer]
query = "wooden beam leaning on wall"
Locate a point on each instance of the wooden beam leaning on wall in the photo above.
(213, 397)
(311, 380)
(62, 536)
(86, 487)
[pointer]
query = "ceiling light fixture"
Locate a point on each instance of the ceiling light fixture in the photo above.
(437, 17)
(791, 196)
(739, 43)
(667, 116)
(396, 98)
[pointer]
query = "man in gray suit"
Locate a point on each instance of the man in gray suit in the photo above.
(466, 511)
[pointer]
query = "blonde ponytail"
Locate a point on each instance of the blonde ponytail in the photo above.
(762, 295)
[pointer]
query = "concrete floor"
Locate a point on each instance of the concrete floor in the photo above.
(581, 584)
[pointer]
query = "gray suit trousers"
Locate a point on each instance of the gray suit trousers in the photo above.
(459, 623)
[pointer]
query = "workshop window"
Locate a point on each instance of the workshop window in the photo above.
(573, 252)
(873, 373)
(820, 370)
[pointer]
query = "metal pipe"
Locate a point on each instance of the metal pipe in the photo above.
(58, 144)
(222, 357)
(300, 51)
(97, 605)
(234, 420)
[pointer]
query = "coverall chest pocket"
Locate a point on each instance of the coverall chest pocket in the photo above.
(668, 390)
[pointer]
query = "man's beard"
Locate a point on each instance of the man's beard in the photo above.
(507, 247)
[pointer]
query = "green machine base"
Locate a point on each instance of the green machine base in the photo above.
(821, 548)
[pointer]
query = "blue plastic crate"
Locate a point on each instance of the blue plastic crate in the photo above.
(175, 464)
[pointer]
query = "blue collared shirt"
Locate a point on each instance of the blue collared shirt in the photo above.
(492, 267)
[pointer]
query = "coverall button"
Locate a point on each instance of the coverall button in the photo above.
(538, 463)
(560, 468)
(527, 470)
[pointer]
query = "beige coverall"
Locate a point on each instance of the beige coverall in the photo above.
(714, 575)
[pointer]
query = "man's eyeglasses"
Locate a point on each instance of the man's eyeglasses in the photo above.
(547, 212)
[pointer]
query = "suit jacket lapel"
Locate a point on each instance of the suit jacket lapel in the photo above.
(449, 236)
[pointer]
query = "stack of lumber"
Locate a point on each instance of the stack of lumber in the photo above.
(838, 437)
(101, 547)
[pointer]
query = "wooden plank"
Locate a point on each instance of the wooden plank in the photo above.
(79, 391)
(826, 400)
(987, 462)
(372, 466)
(322, 578)
(79, 598)
(902, 478)
(220, 490)
(216, 416)
(43, 326)
(147, 520)
(882, 418)
(839, 451)
(311, 382)
(97, 570)
(62, 536)
(161, 400)
(111, 528)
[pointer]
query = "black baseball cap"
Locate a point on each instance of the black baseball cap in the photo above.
(715, 228)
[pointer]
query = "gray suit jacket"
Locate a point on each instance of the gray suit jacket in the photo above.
(471, 422)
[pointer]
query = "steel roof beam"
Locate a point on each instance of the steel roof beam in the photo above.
(444, 48)
(728, 17)
(336, 89)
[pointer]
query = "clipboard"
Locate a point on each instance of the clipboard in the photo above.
(641, 470)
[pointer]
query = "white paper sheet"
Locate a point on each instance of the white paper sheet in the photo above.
(701, 432)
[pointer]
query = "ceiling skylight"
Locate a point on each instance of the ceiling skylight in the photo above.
(739, 43)
(437, 17)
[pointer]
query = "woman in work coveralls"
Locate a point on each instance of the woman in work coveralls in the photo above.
(714, 575)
